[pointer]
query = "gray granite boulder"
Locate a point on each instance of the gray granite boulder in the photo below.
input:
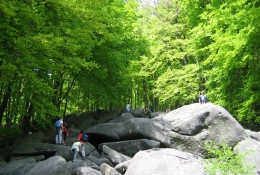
(37, 158)
(253, 134)
(85, 171)
(108, 170)
(131, 147)
(122, 118)
(250, 148)
(138, 113)
(165, 161)
(114, 156)
(122, 167)
(136, 128)
(18, 166)
(36, 137)
(81, 163)
(105, 160)
(2, 161)
(94, 159)
(48, 150)
(55, 165)
(191, 126)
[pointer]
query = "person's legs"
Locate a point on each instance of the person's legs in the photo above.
(60, 136)
(83, 151)
(75, 154)
(63, 138)
(57, 136)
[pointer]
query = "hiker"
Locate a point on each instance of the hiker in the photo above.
(83, 138)
(151, 108)
(76, 146)
(65, 132)
(127, 108)
(202, 98)
(58, 127)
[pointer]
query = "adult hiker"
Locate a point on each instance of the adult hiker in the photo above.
(127, 107)
(65, 132)
(83, 138)
(76, 146)
(58, 127)
(202, 98)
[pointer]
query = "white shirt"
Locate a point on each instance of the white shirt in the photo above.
(76, 145)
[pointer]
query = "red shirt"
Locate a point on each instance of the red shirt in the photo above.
(80, 137)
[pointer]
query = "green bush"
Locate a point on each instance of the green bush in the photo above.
(225, 162)
(9, 133)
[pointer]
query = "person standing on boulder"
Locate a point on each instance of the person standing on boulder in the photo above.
(127, 108)
(83, 142)
(58, 126)
(202, 98)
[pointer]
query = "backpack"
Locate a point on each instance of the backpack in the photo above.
(57, 124)
(64, 130)
(84, 137)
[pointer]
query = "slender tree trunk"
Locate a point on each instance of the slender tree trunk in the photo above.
(65, 107)
(5, 101)
(110, 106)
(57, 96)
(68, 90)
(27, 118)
(145, 95)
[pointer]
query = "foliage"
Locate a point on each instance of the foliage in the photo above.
(225, 162)
(58, 57)
(225, 37)
(9, 133)
(172, 80)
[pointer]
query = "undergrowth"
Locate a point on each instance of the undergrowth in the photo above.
(224, 161)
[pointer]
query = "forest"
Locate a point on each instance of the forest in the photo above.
(61, 57)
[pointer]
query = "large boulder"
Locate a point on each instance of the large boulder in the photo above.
(191, 126)
(18, 166)
(36, 137)
(122, 118)
(253, 134)
(85, 171)
(55, 165)
(48, 150)
(37, 158)
(36, 149)
(136, 128)
(114, 156)
(131, 147)
(250, 148)
(107, 116)
(2, 161)
(165, 161)
(81, 163)
(156, 114)
(139, 112)
(81, 121)
(108, 170)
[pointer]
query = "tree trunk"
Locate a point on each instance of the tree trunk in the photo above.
(65, 107)
(145, 95)
(5, 101)
(27, 119)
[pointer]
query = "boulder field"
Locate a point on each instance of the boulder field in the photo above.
(135, 143)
